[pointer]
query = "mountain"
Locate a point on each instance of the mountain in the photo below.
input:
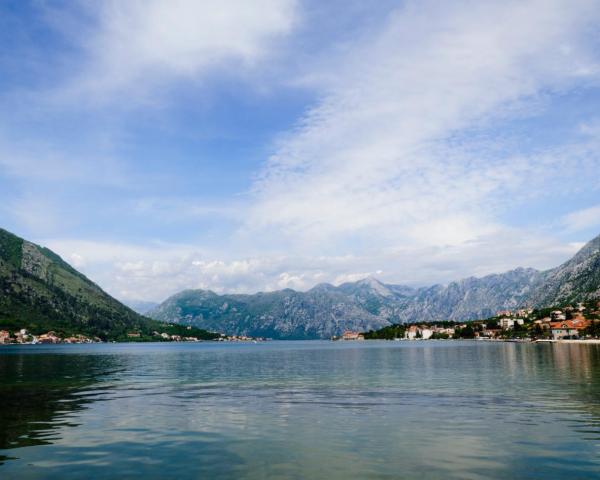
(327, 310)
(575, 280)
(472, 297)
(281, 314)
(141, 306)
(41, 292)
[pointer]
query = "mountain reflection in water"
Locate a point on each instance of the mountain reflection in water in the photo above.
(40, 394)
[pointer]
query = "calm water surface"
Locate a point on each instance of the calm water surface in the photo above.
(318, 410)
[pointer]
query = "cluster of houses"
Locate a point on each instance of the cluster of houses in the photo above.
(239, 338)
(566, 324)
(167, 337)
(176, 338)
(348, 335)
(561, 328)
(24, 337)
(569, 323)
(425, 332)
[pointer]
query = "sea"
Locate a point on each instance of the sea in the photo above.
(300, 410)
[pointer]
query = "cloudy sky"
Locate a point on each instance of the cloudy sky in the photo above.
(255, 145)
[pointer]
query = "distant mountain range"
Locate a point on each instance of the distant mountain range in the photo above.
(327, 310)
(141, 306)
(41, 292)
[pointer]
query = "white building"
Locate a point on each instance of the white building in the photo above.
(411, 332)
(506, 323)
(426, 333)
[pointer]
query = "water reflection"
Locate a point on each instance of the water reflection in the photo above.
(39, 394)
(302, 410)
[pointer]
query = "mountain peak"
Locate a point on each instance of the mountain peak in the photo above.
(375, 285)
(42, 291)
(589, 249)
(367, 304)
(577, 279)
(322, 287)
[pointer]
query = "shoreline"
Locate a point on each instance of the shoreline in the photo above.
(589, 341)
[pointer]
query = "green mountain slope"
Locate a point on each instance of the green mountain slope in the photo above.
(40, 291)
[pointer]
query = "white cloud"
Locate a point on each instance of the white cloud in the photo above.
(153, 272)
(401, 149)
(398, 171)
(583, 219)
(138, 43)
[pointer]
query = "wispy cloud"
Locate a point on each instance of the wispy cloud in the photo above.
(153, 271)
(417, 163)
(188, 209)
(136, 45)
(583, 219)
(402, 149)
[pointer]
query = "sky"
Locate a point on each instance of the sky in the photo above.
(238, 146)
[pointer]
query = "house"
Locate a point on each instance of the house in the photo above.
(492, 332)
(557, 316)
(21, 337)
(49, 337)
(133, 335)
(412, 332)
(347, 335)
(445, 331)
(566, 329)
(506, 323)
(78, 339)
(426, 333)
(4, 337)
(569, 328)
(542, 324)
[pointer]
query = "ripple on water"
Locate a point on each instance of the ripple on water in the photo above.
(301, 410)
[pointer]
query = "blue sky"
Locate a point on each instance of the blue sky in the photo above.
(245, 146)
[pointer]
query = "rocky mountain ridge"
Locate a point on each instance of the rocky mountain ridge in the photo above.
(327, 310)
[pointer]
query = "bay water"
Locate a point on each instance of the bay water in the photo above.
(295, 410)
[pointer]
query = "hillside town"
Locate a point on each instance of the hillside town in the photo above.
(24, 337)
(572, 322)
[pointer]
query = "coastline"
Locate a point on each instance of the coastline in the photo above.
(588, 341)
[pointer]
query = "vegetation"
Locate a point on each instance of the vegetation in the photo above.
(533, 324)
(386, 333)
(41, 292)
(467, 332)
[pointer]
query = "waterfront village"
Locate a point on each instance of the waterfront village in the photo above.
(573, 322)
(24, 337)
